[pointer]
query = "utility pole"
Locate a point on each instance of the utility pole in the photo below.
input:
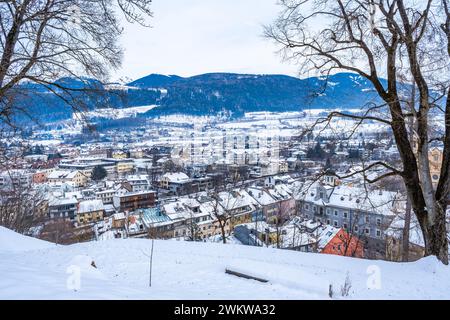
(151, 263)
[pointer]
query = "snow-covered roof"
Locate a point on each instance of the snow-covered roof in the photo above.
(177, 177)
(118, 216)
(354, 198)
(262, 196)
(153, 216)
(90, 206)
(62, 174)
(231, 200)
(62, 201)
(325, 235)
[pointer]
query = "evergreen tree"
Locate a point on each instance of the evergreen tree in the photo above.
(98, 173)
(317, 152)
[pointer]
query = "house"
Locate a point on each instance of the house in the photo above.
(90, 211)
(76, 178)
(156, 223)
(201, 184)
(174, 182)
(135, 200)
(210, 206)
(339, 242)
(363, 213)
(312, 236)
(65, 208)
(118, 220)
(256, 234)
(197, 218)
(287, 205)
(238, 204)
(39, 177)
(283, 166)
(139, 182)
(106, 196)
(124, 166)
(270, 206)
(15, 179)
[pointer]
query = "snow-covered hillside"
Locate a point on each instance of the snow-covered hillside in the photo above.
(32, 269)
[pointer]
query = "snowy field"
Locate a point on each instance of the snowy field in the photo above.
(112, 113)
(33, 269)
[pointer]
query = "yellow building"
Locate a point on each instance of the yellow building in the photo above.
(124, 167)
(90, 211)
(77, 178)
(119, 155)
(435, 156)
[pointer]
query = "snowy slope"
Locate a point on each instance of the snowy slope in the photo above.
(11, 241)
(185, 270)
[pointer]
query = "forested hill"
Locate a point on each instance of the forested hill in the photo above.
(232, 94)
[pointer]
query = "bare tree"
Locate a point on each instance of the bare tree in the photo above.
(375, 39)
(42, 41)
(193, 227)
(283, 214)
(225, 200)
(21, 205)
(21, 208)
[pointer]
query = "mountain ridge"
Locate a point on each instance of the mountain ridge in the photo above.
(231, 94)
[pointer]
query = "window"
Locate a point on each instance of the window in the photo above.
(335, 223)
(367, 219)
(307, 206)
(328, 221)
(345, 226)
(378, 233)
(367, 231)
(328, 212)
(315, 209)
(379, 222)
(345, 215)
(336, 213)
(356, 228)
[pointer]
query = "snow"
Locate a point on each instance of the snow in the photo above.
(11, 241)
(176, 177)
(196, 270)
(112, 113)
(90, 206)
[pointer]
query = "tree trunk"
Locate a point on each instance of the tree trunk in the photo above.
(406, 229)
(435, 236)
(222, 228)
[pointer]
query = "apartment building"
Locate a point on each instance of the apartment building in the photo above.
(135, 200)
(366, 215)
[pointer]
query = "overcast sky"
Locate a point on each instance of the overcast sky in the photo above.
(191, 37)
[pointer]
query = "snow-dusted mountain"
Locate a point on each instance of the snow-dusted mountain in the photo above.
(239, 93)
(207, 94)
(33, 269)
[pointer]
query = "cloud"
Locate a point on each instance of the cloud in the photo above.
(190, 37)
